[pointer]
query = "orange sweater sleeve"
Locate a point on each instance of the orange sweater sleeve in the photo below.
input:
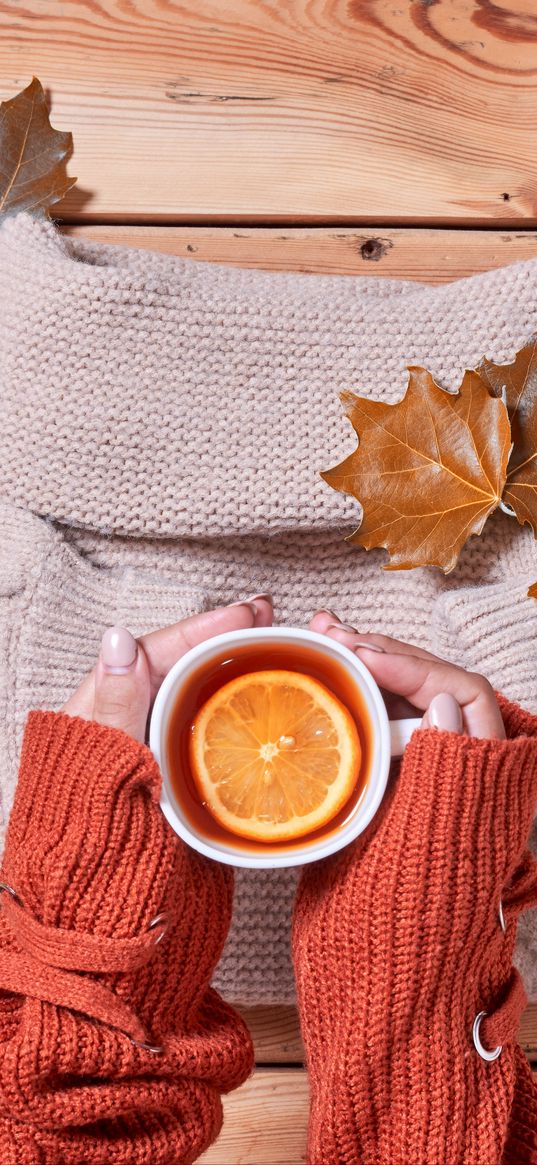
(399, 946)
(113, 1046)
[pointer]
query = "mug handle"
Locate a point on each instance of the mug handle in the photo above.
(400, 733)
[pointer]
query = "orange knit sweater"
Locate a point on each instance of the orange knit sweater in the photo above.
(94, 862)
(397, 946)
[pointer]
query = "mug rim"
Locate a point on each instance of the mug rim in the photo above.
(367, 805)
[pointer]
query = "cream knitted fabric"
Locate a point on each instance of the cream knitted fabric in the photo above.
(169, 419)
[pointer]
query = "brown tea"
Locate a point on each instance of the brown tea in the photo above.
(241, 661)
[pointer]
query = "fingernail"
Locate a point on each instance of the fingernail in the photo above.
(118, 650)
(327, 611)
(245, 603)
(342, 627)
(265, 596)
(444, 713)
(368, 647)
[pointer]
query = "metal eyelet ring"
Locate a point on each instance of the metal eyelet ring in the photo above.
(485, 1055)
(5, 888)
(501, 917)
(156, 1049)
(162, 920)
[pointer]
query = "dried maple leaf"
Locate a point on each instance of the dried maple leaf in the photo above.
(532, 591)
(427, 471)
(519, 383)
(32, 154)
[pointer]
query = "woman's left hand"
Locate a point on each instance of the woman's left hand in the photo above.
(121, 688)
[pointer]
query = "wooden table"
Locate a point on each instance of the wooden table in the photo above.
(371, 137)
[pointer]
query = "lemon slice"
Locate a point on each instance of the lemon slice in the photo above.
(274, 755)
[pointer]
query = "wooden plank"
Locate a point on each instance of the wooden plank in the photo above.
(424, 254)
(312, 110)
(265, 1121)
(528, 1031)
(276, 1034)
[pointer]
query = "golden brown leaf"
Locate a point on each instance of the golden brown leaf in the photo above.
(32, 154)
(427, 471)
(519, 382)
(532, 591)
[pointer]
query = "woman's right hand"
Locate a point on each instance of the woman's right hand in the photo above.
(415, 681)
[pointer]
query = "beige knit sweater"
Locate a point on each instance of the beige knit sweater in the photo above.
(163, 425)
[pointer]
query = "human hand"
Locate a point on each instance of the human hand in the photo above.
(414, 681)
(121, 688)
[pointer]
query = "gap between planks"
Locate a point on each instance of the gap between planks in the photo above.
(425, 255)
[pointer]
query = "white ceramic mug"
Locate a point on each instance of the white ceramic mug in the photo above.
(389, 739)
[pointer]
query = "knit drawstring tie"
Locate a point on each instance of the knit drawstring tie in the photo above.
(51, 962)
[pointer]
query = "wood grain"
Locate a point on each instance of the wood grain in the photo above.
(276, 1034)
(357, 111)
(424, 254)
(264, 1121)
(528, 1032)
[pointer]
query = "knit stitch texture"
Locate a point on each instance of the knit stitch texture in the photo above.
(94, 864)
(397, 948)
(163, 427)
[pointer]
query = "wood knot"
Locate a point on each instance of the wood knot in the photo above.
(375, 248)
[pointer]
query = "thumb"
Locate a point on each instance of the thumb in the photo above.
(122, 686)
(444, 712)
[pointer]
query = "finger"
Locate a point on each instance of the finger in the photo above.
(420, 679)
(122, 687)
(326, 623)
(444, 712)
(419, 676)
(264, 609)
(165, 646)
(323, 619)
(81, 702)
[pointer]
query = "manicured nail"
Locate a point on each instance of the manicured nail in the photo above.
(245, 603)
(342, 627)
(265, 596)
(352, 631)
(118, 650)
(444, 713)
(327, 611)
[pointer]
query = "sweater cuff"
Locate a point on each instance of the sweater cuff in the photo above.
(474, 796)
(69, 752)
(86, 810)
(517, 721)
